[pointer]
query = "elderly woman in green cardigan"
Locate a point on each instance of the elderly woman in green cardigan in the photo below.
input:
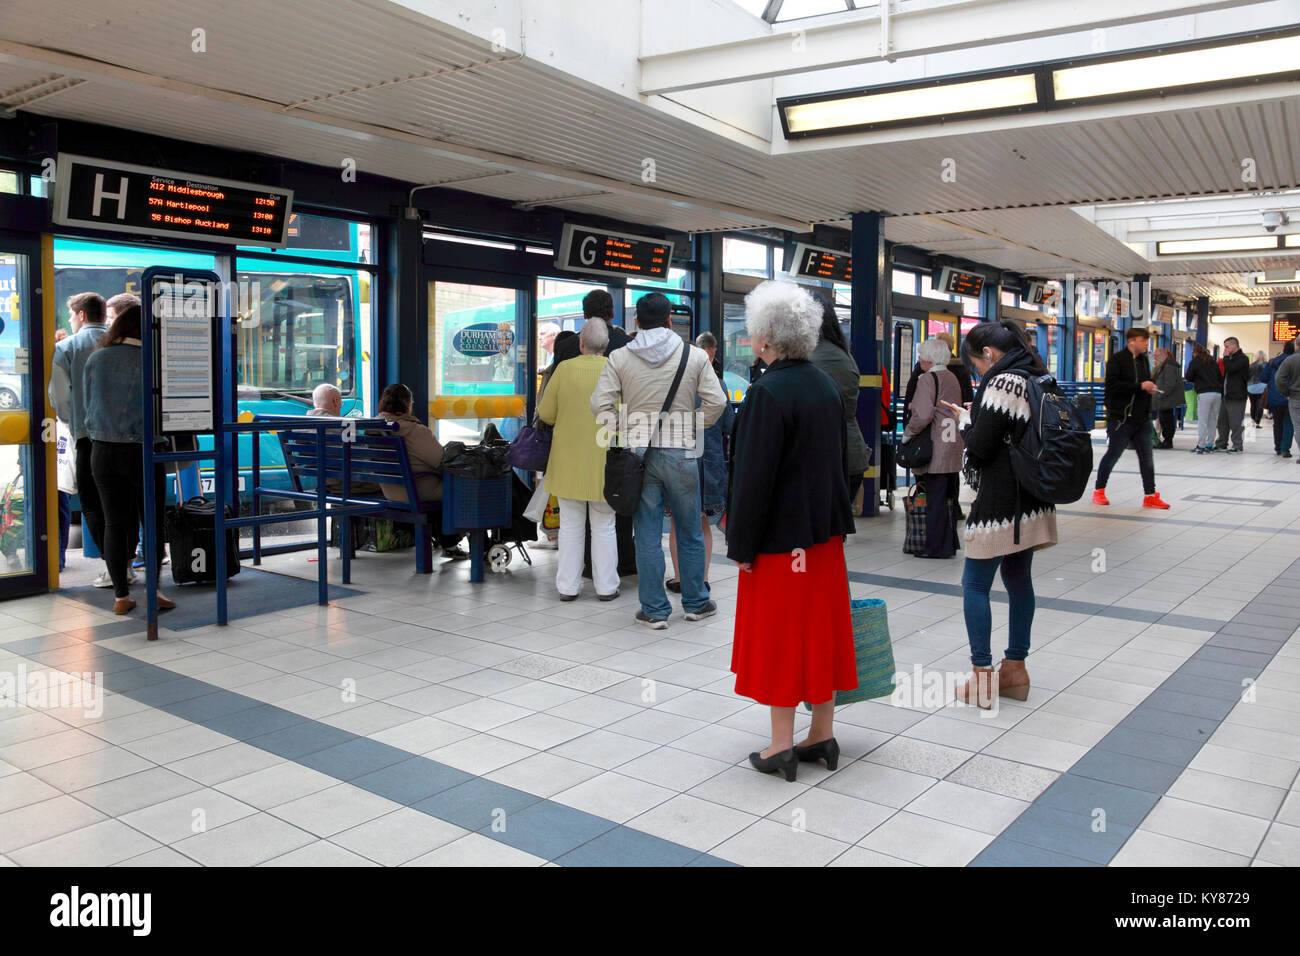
(575, 473)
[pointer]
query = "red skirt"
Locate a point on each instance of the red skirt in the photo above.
(794, 633)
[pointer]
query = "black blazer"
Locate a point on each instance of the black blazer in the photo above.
(788, 466)
(1204, 375)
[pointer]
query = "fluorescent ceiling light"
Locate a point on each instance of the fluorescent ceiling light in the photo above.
(1293, 240)
(1260, 278)
(918, 103)
(1187, 68)
(1237, 319)
(1182, 247)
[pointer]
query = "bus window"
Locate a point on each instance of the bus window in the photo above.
(737, 353)
(295, 332)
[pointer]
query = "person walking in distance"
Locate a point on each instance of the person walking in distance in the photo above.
(1204, 375)
(1257, 388)
(641, 376)
(1277, 407)
(1129, 389)
(1232, 410)
(1170, 394)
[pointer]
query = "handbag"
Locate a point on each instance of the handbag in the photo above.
(914, 505)
(531, 449)
(873, 651)
(625, 468)
(920, 449)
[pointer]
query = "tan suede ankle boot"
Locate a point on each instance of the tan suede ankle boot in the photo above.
(1013, 680)
(980, 689)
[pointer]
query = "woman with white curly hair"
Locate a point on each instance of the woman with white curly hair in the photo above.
(786, 521)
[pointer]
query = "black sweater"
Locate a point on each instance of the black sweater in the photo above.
(788, 466)
(1204, 376)
(1126, 400)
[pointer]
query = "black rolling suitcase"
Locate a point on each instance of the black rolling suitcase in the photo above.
(190, 537)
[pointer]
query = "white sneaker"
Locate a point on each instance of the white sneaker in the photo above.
(104, 581)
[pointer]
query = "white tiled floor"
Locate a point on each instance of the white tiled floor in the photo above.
(577, 704)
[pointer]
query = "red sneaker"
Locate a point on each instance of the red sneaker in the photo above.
(1153, 501)
(1099, 497)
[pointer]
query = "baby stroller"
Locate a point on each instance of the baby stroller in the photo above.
(501, 541)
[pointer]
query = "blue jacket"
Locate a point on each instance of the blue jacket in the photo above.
(71, 355)
(113, 393)
(1268, 376)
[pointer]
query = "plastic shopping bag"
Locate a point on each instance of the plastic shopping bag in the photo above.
(67, 471)
(537, 503)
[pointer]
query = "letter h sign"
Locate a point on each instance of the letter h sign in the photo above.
(101, 195)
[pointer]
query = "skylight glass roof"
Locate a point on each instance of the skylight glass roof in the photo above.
(777, 11)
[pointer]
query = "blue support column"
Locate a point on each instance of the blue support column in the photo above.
(1203, 321)
(1140, 307)
(870, 283)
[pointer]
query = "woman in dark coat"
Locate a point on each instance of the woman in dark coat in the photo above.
(1006, 524)
(788, 514)
(832, 356)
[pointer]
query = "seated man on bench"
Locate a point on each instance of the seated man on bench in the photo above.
(327, 402)
(425, 453)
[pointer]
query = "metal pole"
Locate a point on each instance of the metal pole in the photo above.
(868, 283)
(146, 454)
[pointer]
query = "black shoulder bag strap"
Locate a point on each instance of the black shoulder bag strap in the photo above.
(672, 392)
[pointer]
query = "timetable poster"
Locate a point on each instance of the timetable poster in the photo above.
(183, 315)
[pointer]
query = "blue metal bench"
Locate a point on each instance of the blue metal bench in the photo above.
(372, 452)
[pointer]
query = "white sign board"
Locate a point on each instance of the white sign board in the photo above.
(184, 315)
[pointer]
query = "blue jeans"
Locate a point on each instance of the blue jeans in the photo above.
(671, 480)
(976, 582)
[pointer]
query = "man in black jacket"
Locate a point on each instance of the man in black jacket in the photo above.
(1232, 412)
(1129, 388)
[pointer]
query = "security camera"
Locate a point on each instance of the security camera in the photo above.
(1274, 219)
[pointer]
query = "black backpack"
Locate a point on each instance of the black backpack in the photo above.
(1052, 459)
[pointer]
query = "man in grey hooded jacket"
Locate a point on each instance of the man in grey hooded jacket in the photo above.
(638, 378)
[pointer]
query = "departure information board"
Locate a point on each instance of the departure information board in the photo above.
(599, 252)
(1043, 293)
(1286, 326)
(955, 282)
(121, 197)
(816, 262)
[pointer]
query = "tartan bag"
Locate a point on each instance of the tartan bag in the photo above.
(914, 505)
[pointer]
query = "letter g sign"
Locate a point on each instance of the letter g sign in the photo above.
(587, 251)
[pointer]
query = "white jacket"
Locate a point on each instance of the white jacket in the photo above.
(631, 391)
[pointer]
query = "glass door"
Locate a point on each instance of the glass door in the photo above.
(24, 542)
(478, 360)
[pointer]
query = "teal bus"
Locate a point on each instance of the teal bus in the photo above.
(296, 325)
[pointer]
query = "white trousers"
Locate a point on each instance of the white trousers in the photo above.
(574, 516)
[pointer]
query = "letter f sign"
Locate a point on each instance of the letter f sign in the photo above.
(101, 195)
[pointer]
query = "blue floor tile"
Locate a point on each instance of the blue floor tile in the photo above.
(1152, 746)
(1203, 687)
(171, 691)
(1068, 833)
(1137, 772)
(1006, 852)
(1185, 726)
(623, 846)
(301, 739)
(551, 830)
(219, 703)
(353, 759)
(1174, 703)
(412, 780)
(472, 805)
(705, 860)
(254, 722)
(1082, 795)
(124, 681)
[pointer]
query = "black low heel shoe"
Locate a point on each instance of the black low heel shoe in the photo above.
(828, 750)
(786, 762)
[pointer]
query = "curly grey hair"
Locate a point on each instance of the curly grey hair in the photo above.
(786, 316)
(594, 336)
(935, 351)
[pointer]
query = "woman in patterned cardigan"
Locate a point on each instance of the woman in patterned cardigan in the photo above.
(1006, 524)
